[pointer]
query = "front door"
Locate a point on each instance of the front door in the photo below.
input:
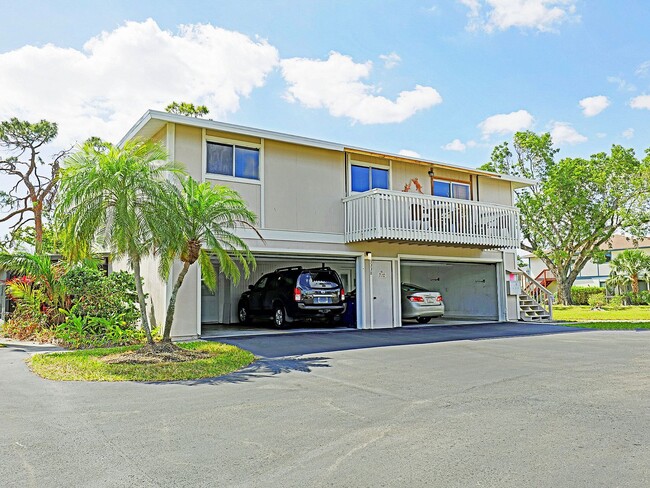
(383, 311)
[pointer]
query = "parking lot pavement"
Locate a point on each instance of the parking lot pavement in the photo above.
(552, 410)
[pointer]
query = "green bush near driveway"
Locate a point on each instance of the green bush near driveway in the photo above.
(86, 365)
(584, 313)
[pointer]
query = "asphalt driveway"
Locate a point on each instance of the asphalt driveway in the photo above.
(496, 410)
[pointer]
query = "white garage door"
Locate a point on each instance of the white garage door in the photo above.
(469, 290)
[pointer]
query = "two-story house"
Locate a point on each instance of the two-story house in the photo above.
(378, 219)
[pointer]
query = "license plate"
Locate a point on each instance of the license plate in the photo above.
(322, 300)
(430, 300)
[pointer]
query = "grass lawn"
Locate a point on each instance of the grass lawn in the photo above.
(611, 325)
(85, 365)
(579, 313)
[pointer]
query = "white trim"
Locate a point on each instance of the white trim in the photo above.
(291, 235)
(502, 299)
(451, 259)
(171, 141)
(262, 215)
(230, 179)
(304, 252)
(198, 302)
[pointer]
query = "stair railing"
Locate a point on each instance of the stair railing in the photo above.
(537, 292)
(545, 276)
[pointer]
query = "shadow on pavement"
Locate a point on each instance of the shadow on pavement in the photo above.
(274, 346)
(264, 368)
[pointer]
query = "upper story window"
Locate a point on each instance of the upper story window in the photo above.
(233, 160)
(451, 189)
(364, 178)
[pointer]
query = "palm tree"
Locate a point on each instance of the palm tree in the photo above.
(628, 268)
(108, 196)
(204, 217)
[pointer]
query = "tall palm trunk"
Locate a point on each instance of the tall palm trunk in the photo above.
(143, 304)
(635, 283)
(169, 319)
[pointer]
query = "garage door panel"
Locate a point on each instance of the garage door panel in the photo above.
(469, 290)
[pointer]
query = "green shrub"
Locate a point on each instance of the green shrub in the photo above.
(79, 332)
(597, 300)
(641, 298)
(580, 294)
(615, 302)
(97, 295)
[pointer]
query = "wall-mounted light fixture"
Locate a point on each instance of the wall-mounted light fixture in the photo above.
(368, 255)
(430, 173)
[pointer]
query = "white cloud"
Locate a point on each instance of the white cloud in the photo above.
(409, 154)
(601, 135)
(506, 123)
(540, 15)
(564, 133)
(643, 69)
(628, 133)
(594, 105)
(621, 83)
(104, 88)
(335, 84)
(471, 143)
(390, 60)
(640, 102)
(455, 145)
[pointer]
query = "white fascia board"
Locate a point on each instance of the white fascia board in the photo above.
(302, 141)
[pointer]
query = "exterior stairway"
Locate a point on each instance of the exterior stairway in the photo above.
(535, 300)
(531, 311)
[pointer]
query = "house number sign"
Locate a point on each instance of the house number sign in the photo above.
(381, 275)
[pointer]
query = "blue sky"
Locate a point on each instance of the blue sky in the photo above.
(321, 68)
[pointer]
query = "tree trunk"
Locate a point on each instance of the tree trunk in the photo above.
(38, 227)
(141, 300)
(635, 283)
(563, 291)
(169, 319)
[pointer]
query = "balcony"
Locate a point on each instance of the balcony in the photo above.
(384, 215)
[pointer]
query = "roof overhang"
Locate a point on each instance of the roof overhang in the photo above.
(154, 120)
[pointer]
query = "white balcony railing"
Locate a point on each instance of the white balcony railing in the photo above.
(399, 216)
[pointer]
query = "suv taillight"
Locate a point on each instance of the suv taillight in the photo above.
(297, 295)
(342, 294)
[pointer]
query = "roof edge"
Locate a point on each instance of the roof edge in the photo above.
(303, 141)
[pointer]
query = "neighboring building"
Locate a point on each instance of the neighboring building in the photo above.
(592, 274)
(322, 202)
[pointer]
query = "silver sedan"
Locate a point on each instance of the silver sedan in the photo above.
(421, 304)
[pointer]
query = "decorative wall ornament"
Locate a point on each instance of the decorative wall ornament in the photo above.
(413, 181)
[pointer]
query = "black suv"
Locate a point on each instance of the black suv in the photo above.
(294, 293)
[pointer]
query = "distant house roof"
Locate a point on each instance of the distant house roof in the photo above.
(153, 121)
(623, 242)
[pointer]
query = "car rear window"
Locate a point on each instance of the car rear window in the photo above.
(410, 287)
(318, 279)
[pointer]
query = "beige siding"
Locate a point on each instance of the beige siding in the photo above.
(492, 190)
(188, 149)
(231, 136)
(303, 188)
